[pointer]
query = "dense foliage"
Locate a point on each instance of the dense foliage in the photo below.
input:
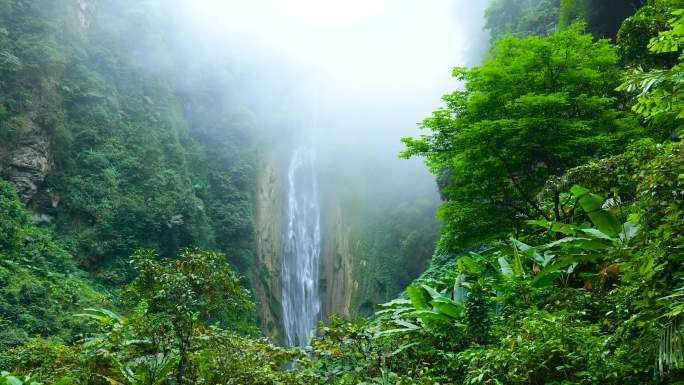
(522, 18)
(394, 245)
(534, 109)
(135, 162)
(189, 321)
(561, 261)
(40, 286)
(581, 287)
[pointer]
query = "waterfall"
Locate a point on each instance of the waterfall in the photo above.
(302, 250)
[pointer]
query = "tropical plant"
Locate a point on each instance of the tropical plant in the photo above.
(659, 91)
(7, 378)
(535, 108)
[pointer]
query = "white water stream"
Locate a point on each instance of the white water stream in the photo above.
(302, 250)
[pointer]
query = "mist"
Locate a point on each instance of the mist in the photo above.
(349, 224)
(350, 77)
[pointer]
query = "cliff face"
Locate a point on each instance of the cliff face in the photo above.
(369, 252)
(28, 159)
(29, 162)
(372, 250)
(266, 271)
(337, 283)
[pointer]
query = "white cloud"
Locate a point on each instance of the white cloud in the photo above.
(351, 43)
(325, 11)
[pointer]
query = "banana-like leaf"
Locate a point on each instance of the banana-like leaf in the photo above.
(528, 251)
(446, 306)
(596, 233)
(460, 291)
(629, 231)
(578, 190)
(467, 264)
(432, 292)
(592, 204)
(396, 302)
(392, 332)
(419, 297)
(405, 324)
(428, 316)
(581, 243)
(11, 380)
(517, 262)
(395, 311)
(563, 263)
(101, 315)
(505, 267)
(545, 279)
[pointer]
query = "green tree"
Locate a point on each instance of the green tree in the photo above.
(522, 18)
(659, 90)
(535, 108)
(179, 297)
(572, 11)
(13, 216)
(637, 30)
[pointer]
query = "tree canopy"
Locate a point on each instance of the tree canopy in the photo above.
(535, 108)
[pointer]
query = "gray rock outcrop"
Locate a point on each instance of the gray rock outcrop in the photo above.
(29, 162)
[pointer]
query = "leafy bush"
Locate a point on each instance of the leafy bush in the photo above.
(39, 284)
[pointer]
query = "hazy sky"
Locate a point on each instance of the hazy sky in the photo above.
(372, 68)
(353, 43)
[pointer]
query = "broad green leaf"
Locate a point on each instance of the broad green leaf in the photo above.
(578, 190)
(580, 243)
(505, 267)
(466, 264)
(565, 262)
(517, 262)
(101, 315)
(419, 297)
(433, 293)
(405, 324)
(396, 302)
(12, 380)
(395, 311)
(592, 204)
(545, 279)
(596, 233)
(459, 289)
(392, 332)
(447, 306)
(528, 251)
(427, 316)
(629, 231)
(540, 223)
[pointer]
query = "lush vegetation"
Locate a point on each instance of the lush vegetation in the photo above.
(136, 160)
(561, 260)
(543, 17)
(40, 286)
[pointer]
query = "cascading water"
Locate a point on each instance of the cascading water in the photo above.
(302, 250)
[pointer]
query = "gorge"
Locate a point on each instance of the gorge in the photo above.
(358, 192)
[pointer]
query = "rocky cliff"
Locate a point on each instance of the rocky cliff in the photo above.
(266, 271)
(29, 161)
(337, 282)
